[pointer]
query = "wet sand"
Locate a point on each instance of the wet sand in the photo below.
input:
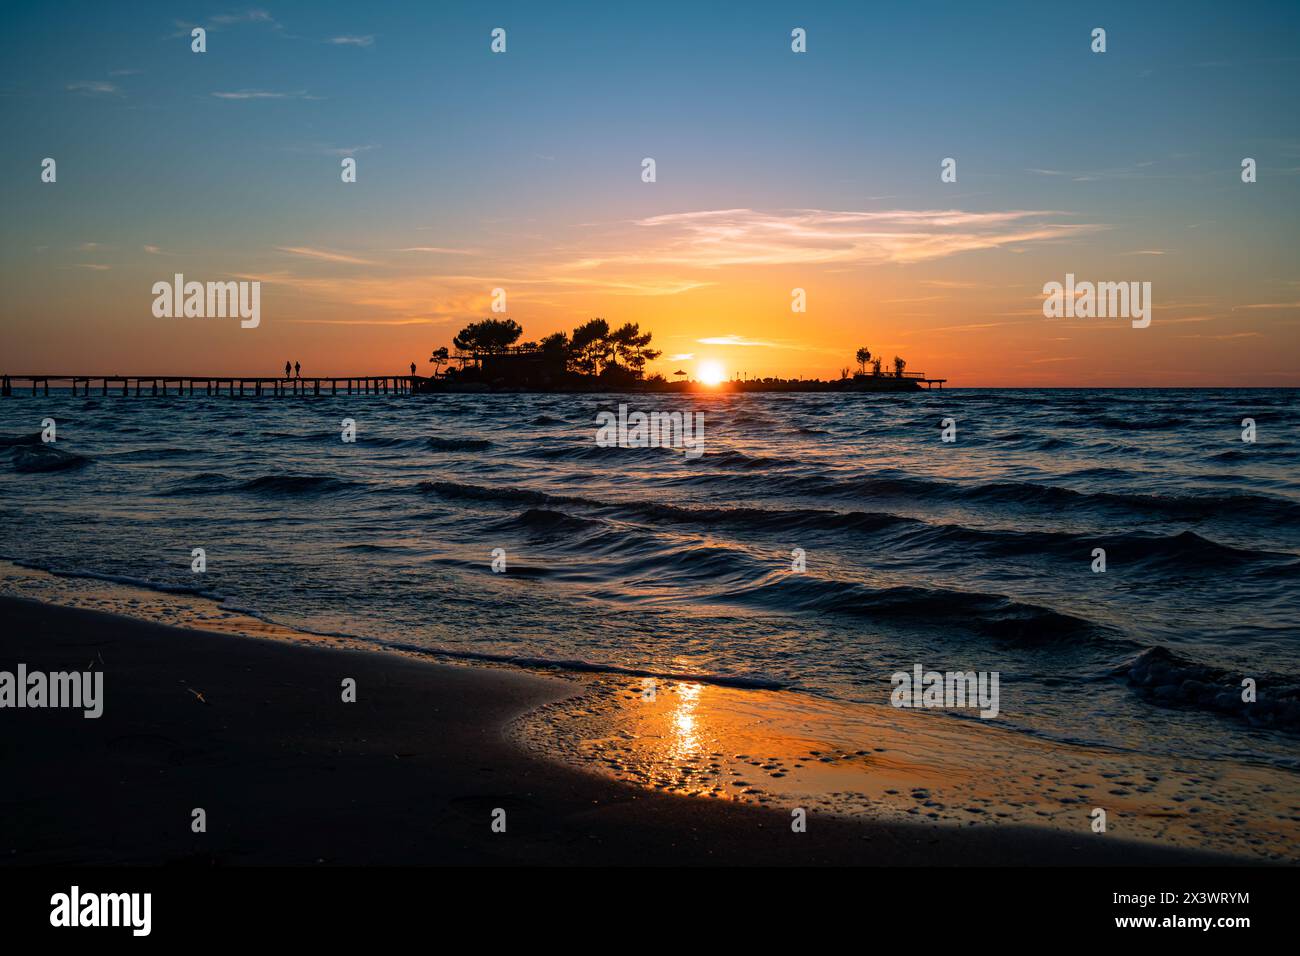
(255, 732)
(787, 749)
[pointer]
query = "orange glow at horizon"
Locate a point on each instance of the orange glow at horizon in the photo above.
(975, 320)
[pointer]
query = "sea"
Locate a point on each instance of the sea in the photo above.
(1125, 560)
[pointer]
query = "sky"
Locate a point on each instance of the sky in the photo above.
(774, 171)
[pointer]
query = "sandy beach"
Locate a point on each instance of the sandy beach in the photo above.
(255, 732)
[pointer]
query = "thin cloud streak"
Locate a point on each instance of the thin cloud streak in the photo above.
(441, 250)
(714, 239)
(94, 88)
(264, 95)
(324, 255)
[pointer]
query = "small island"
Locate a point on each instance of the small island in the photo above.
(484, 357)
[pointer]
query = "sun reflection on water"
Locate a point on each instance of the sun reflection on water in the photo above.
(686, 739)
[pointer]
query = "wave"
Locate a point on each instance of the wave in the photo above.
(149, 454)
(593, 667)
(722, 459)
(280, 484)
(1162, 677)
(457, 444)
(551, 522)
(1184, 550)
(1252, 453)
(294, 484)
(731, 458)
(415, 443)
(503, 495)
(721, 679)
(754, 518)
(992, 615)
(1147, 422)
(143, 583)
(1016, 493)
(751, 418)
(42, 458)
(594, 452)
(1028, 440)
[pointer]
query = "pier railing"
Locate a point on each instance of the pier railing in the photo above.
(919, 377)
(234, 385)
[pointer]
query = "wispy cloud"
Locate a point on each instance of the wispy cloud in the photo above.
(441, 250)
(323, 149)
(1224, 337)
(223, 21)
(398, 321)
(94, 88)
(248, 16)
(971, 327)
(265, 95)
(747, 237)
(655, 286)
(1190, 319)
(324, 255)
(352, 41)
(952, 284)
(1133, 171)
(738, 340)
(402, 299)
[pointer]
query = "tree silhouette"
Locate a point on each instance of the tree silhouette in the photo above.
(863, 357)
(590, 349)
(631, 347)
(899, 365)
(439, 358)
(489, 336)
(555, 346)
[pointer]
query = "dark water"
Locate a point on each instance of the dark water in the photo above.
(974, 555)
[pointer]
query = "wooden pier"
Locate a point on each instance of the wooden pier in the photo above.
(235, 386)
(887, 382)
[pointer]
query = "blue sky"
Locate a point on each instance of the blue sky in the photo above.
(529, 160)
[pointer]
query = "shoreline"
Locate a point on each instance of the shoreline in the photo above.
(253, 730)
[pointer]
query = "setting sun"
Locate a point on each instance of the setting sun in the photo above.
(711, 373)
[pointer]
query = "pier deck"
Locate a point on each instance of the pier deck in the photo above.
(278, 386)
(236, 385)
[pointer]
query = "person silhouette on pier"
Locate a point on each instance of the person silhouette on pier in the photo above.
(412, 368)
(287, 368)
(297, 369)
